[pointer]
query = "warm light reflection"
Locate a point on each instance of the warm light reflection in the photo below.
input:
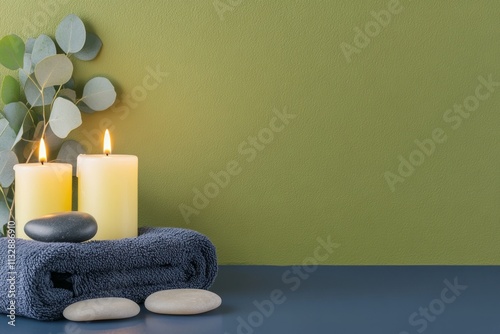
(42, 153)
(107, 143)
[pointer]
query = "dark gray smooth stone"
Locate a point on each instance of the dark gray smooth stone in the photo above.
(62, 227)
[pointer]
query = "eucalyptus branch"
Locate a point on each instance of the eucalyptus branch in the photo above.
(47, 72)
(28, 114)
(11, 209)
(55, 96)
(33, 149)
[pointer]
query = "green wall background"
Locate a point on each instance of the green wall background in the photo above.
(323, 174)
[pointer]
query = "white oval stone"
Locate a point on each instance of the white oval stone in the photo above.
(101, 309)
(182, 301)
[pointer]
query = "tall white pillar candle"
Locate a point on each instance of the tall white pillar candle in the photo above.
(107, 189)
(41, 188)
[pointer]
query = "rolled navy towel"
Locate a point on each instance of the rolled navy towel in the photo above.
(50, 276)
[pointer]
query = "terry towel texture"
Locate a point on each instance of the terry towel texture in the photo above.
(51, 276)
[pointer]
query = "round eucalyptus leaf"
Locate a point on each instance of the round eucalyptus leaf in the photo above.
(15, 113)
(43, 47)
(26, 125)
(7, 161)
(70, 34)
(69, 152)
(12, 52)
(64, 117)
(53, 70)
(91, 48)
(30, 43)
(33, 94)
(10, 90)
(7, 135)
(99, 94)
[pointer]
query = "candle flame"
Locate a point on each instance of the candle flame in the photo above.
(42, 152)
(107, 143)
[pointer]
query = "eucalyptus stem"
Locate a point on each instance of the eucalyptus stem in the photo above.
(55, 96)
(31, 154)
(13, 201)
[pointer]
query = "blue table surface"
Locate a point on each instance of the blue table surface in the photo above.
(326, 299)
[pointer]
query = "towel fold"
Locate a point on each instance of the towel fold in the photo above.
(51, 276)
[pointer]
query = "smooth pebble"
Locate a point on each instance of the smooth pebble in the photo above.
(182, 301)
(101, 309)
(62, 227)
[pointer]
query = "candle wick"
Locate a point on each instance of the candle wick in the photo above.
(107, 154)
(41, 162)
